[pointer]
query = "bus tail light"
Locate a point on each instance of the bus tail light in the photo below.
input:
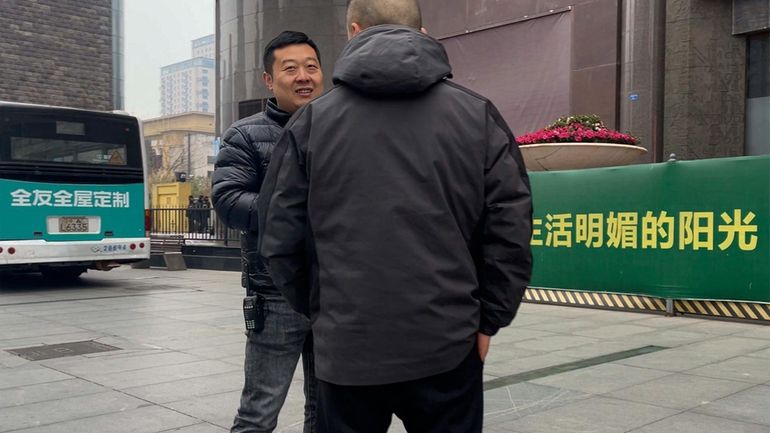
(12, 250)
(1, 249)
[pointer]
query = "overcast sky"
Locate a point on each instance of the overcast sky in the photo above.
(158, 33)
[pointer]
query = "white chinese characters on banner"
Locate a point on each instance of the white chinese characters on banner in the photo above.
(42, 198)
(21, 197)
(102, 199)
(119, 199)
(62, 198)
(84, 199)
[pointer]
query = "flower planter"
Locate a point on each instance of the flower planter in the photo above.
(571, 156)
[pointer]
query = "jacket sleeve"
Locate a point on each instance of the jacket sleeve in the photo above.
(283, 215)
(236, 181)
(505, 264)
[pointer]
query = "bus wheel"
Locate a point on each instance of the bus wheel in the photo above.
(63, 273)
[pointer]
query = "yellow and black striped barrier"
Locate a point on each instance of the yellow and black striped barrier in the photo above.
(617, 301)
(595, 299)
(739, 310)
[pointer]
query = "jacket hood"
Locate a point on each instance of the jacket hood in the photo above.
(391, 60)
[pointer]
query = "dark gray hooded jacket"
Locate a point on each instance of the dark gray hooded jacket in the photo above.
(397, 213)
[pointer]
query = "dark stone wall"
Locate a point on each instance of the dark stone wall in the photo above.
(57, 52)
(750, 16)
(705, 88)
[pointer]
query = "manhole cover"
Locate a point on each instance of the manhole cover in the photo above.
(50, 351)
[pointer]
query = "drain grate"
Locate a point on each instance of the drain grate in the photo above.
(50, 351)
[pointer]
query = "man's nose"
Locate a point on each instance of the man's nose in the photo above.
(303, 75)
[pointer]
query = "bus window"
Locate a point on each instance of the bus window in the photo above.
(83, 152)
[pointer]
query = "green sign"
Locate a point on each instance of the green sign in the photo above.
(682, 230)
(31, 207)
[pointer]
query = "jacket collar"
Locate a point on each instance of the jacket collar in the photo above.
(276, 114)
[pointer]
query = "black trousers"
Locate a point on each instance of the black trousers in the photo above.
(451, 402)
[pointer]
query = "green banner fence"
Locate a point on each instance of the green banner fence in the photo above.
(676, 230)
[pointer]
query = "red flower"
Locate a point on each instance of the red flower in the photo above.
(576, 129)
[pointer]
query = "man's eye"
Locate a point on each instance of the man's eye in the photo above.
(290, 69)
(312, 67)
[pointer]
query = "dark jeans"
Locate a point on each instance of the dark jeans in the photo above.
(451, 402)
(271, 358)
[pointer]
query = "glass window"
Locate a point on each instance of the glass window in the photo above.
(60, 136)
(758, 95)
(83, 152)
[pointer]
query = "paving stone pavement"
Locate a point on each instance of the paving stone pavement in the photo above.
(180, 342)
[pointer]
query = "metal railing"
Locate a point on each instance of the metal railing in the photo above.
(194, 224)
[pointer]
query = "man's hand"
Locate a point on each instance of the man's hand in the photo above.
(483, 344)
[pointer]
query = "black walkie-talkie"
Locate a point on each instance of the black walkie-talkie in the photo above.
(253, 306)
(250, 312)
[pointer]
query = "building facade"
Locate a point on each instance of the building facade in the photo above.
(181, 143)
(717, 78)
(687, 77)
(204, 47)
(243, 30)
(62, 52)
(550, 58)
(188, 86)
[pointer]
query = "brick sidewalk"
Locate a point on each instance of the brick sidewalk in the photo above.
(178, 366)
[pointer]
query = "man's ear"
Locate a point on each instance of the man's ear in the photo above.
(268, 79)
(354, 29)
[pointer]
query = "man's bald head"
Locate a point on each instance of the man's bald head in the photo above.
(368, 13)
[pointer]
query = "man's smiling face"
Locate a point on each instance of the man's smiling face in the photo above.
(296, 77)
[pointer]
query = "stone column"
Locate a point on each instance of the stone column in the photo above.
(705, 90)
(642, 73)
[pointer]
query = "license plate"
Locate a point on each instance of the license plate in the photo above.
(73, 225)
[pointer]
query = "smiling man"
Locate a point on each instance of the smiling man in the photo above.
(276, 335)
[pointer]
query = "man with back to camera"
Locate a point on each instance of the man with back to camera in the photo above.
(410, 198)
(276, 334)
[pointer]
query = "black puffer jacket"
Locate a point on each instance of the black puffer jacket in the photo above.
(240, 169)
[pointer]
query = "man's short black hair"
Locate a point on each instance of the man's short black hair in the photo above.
(286, 38)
